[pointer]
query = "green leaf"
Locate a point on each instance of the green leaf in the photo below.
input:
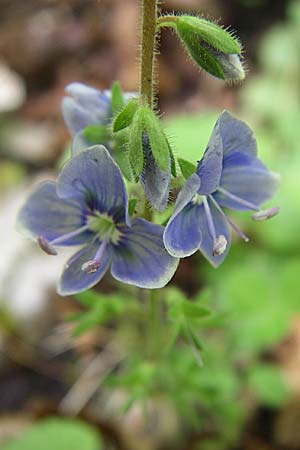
(173, 162)
(186, 167)
(135, 144)
(125, 117)
(117, 99)
(194, 311)
(268, 384)
(210, 32)
(97, 134)
(58, 434)
(158, 142)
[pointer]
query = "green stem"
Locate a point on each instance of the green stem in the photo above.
(149, 17)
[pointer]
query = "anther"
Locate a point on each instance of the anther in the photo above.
(265, 214)
(219, 245)
(46, 246)
(91, 266)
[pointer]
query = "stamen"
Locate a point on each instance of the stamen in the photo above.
(70, 235)
(210, 222)
(220, 245)
(236, 229)
(265, 214)
(93, 265)
(237, 199)
(46, 246)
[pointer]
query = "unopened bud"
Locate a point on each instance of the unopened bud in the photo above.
(265, 214)
(220, 245)
(46, 246)
(90, 267)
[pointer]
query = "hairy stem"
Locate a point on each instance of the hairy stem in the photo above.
(149, 17)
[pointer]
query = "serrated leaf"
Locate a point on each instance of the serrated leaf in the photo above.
(157, 139)
(186, 167)
(97, 134)
(125, 117)
(117, 99)
(135, 144)
(58, 434)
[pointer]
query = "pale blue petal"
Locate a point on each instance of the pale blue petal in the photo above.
(74, 279)
(90, 98)
(182, 236)
(246, 177)
(141, 258)
(75, 116)
(209, 168)
(236, 135)
(187, 192)
(206, 246)
(95, 178)
(45, 214)
(156, 182)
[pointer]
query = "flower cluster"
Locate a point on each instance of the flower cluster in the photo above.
(88, 205)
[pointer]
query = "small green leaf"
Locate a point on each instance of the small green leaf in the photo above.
(186, 167)
(97, 134)
(131, 205)
(135, 144)
(269, 385)
(58, 434)
(117, 99)
(158, 142)
(124, 118)
(194, 311)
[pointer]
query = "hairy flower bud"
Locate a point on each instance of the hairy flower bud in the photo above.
(211, 47)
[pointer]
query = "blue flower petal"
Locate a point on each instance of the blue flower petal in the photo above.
(206, 246)
(79, 144)
(75, 116)
(90, 98)
(95, 178)
(45, 214)
(209, 168)
(74, 279)
(141, 259)
(156, 182)
(247, 177)
(236, 135)
(182, 236)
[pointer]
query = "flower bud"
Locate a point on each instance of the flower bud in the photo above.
(212, 48)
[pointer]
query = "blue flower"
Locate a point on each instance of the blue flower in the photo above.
(85, 106)
(88, 206)
(229, 175)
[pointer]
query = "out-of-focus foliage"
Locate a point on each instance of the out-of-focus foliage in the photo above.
(58, 434)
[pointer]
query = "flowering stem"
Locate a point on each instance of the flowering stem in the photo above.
(149, 17)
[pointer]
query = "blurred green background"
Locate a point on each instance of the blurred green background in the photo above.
(247, 394)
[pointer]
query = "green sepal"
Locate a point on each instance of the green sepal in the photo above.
(117, 99)
(135, 144)
(211, 33)
(97, 134)
(120, 153)
(186, 167)
(124, 118)
(173, 162)
(201, 56)
(157, 139)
